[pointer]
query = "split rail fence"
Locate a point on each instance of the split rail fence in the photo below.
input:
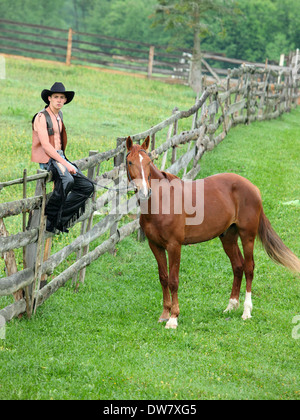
(249, 94)
(74, 47)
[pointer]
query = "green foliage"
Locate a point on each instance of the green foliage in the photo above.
(262, 29)
(104, 342)
(127, 19)
(190, 18)
(251, 30)
(280, 45)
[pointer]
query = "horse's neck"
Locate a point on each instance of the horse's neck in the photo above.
(155, 172)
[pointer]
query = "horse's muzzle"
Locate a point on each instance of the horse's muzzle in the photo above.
(142, 196)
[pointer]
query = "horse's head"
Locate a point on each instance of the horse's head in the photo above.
(138, 167)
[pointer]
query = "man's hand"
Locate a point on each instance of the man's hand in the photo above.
(71, 168)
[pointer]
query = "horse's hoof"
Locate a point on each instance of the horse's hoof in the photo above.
(233, 305)
(172, 324)
(246, 314)
(163, 320)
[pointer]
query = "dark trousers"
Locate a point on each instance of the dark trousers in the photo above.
(67, 202)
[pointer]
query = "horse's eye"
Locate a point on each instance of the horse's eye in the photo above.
(130, 163)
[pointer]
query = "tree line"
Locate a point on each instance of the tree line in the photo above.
(252, 30)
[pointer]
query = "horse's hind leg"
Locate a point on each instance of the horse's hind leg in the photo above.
(230, 244)
(160, 255)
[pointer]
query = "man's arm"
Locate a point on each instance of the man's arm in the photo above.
(40, 126)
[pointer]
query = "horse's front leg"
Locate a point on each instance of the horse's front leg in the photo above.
(174, 253)
(160, 255)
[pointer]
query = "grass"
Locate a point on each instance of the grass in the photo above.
(104, 342)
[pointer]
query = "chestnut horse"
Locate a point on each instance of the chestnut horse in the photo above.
(231, 207)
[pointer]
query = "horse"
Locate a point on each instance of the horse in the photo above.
(229, 207)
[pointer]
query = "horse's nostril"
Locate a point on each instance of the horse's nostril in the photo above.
(144, 196)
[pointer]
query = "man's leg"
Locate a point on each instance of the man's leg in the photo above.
(74, 205)
(62, 186)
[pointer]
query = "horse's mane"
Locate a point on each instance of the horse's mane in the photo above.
(166, 175)
(169, 176)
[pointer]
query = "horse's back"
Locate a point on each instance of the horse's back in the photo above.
(228, 199)
(231, 183)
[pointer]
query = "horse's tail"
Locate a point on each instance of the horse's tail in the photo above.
(274, 246)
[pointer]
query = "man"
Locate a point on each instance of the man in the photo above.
(49, 140)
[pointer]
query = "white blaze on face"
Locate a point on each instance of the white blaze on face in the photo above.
(144, 183)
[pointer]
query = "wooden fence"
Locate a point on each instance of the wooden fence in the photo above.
(257, 94)
(75, 47)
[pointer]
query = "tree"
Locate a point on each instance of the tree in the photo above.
(263, 29)
(126, 19)
(192, 16)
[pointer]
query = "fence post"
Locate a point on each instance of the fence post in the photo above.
(295, 77)
(173, 127)
(248, 103)
(86, 224)
(33, 251)
(150, 62)
(24, 212)
(39, 249)
(175, 130)
(69, 47)
(118, 160)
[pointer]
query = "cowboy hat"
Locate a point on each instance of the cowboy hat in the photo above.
(57, 88)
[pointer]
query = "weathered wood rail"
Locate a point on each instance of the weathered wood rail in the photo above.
(73, 47)
(249, 94)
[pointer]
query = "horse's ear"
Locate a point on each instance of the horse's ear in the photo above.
(145, 145)
(129, 143)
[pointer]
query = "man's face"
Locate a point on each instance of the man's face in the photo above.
(57, 100)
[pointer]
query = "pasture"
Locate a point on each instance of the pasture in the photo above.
(104, 342)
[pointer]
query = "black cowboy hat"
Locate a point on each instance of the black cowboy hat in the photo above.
(57, 88)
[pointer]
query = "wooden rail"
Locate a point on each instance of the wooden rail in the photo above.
(73, 47)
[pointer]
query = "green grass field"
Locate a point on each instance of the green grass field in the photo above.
(104, 342)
